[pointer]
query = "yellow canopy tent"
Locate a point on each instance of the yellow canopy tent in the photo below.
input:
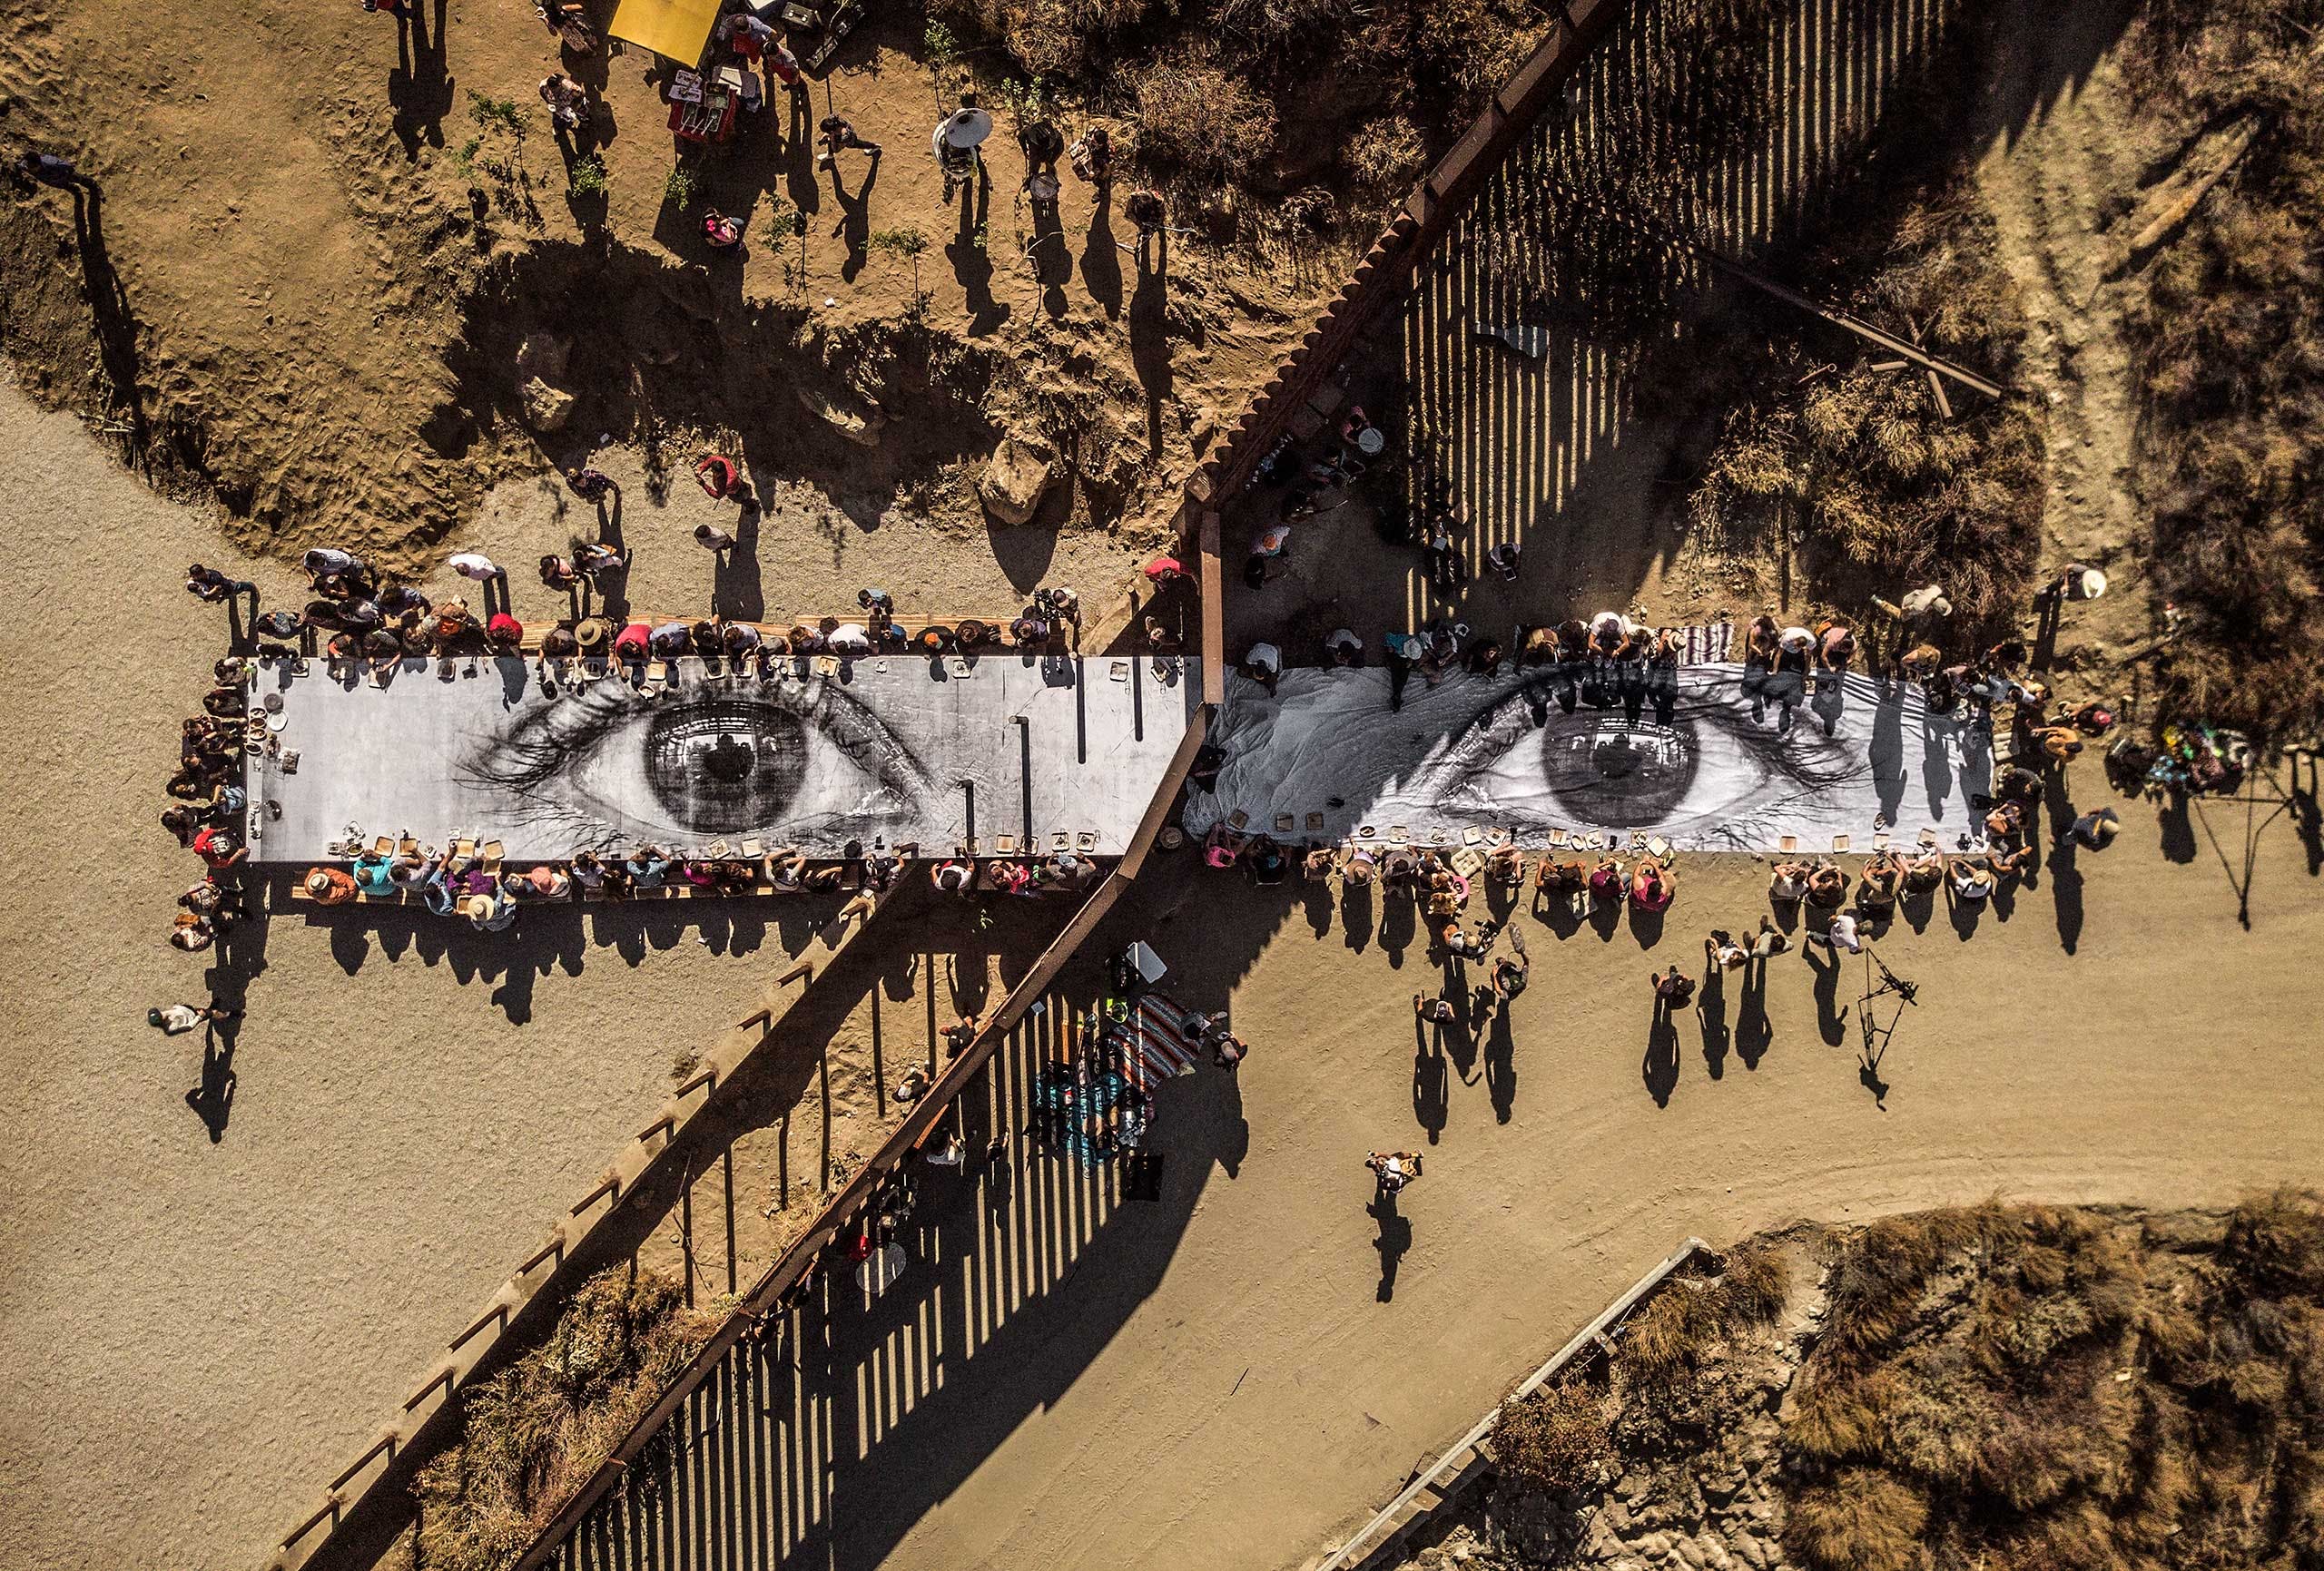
(673, 29)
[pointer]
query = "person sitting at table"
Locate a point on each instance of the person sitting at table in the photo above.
(787, 869)
(329, 886)
(1877, 889)
(374, 874)
(647, 867)
(1606, 881)
(1827, 886)
(1652, 888)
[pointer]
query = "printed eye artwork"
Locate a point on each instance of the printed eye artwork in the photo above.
(1697, 768)
(1701, 757)
(706, 759)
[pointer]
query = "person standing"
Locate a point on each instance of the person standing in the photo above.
(1392, 1170)
(837, 136)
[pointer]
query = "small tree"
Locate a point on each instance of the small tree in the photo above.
(943, 51)
(908, 241)
(587, 177)
(680, 190)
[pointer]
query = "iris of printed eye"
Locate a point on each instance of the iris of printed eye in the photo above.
(722, 768)
(1620, 775)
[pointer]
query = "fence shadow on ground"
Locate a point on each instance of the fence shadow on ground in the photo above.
(826, 1441)
(1526, 450)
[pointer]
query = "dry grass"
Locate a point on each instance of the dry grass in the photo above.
(1884, 490)
(2029, 1386)
(1556, 1440)
(2231, 343)
(1273, 95)
(1195, 120)
(531, 1435)
(1863, 1520)
(1687, 1323)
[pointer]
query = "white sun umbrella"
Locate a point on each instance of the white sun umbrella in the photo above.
(963, 128)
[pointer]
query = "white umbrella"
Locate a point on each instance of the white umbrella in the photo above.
(962, 128)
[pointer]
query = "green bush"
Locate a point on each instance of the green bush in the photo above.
(586, 177)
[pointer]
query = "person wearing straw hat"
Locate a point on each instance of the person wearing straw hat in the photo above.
(955, 142)
(2094, 830)
(329, 886)
(488, 915)
(2074, 581)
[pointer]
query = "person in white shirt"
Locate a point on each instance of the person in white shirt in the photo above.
(1842, 934)
(475, 565)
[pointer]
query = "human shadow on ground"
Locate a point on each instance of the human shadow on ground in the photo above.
(1660, 1066)
(1101, 260)
(1431, 1078)
(420, 88)
(1149, 348)
(213, 1100)
(1395, 1241)
(1710, 1010)
(1831, 1014)
(559, 937)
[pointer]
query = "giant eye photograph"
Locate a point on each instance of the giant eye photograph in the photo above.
(890, 785)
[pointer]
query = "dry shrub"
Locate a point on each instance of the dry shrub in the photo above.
(2230, 340)
(1754, 1286)
(531, 1435)
(2044, 1391)
(1862, 1521)
(1211, 80)
(1835, 1417)
(1048, 37)
(1685, 1323)
(1195, 120)
(1887, 490)
(2275, 1242)
(1556, 1440)
(1386, 153)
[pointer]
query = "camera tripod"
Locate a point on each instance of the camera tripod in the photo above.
(1875, 1036)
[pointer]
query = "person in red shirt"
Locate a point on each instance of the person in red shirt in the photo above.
(504, 633)
(218, 848)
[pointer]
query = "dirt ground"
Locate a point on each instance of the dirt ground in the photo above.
(1245, 1369)
(286, 273)
(205, 1332)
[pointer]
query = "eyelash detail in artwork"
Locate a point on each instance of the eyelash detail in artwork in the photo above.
(560, 740)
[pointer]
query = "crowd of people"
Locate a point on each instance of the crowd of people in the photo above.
(462, 879)
(357, 618)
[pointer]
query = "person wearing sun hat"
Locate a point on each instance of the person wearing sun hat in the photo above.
(329, 886)
(488, 915)
(2074, 581)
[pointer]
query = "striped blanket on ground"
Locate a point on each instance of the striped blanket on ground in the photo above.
(1166, 1042)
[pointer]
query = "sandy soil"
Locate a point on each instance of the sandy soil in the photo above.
(1223, 1379)
(201, 1334)
(296, 301)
